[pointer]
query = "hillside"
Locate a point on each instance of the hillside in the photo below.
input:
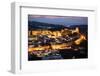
(33, 25)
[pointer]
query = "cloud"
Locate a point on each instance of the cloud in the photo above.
(66, 20)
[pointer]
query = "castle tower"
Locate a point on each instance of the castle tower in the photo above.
(77, 29)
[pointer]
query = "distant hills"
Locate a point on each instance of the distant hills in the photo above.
(34, 25)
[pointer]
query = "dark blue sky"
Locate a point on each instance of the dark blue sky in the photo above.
(63, 20)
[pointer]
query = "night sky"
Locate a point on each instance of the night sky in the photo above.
(62, 20)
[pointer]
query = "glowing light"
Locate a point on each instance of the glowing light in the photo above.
(78, 41)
